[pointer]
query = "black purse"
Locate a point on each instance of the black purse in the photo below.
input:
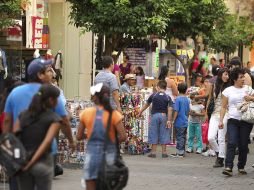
(13, 155)
(112, 177)
(211, 105)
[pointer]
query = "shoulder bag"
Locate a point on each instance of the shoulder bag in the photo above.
(112, 177)
(247, 110)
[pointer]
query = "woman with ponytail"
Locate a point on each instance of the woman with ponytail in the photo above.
(37, 127)
(94, 121)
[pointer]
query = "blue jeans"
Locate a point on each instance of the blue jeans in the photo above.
(158, 132)
(195, 130)
(238, 135)
(181, 139)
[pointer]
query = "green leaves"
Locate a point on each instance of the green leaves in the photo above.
(9, 10)
(230, 32)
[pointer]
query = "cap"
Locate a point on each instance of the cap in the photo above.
(130, 76)
(37, 65)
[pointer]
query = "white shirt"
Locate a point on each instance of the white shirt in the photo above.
(235, 98)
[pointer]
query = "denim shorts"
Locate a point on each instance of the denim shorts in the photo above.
(158, 132)
(93, 159)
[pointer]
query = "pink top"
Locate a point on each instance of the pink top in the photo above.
(116, 68)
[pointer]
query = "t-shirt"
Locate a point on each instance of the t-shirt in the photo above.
(160, 102)
(182, 107)
(34, 130)
(87, 118)
(235, 98)
(21, 97)
(198, 109)
(108, 79)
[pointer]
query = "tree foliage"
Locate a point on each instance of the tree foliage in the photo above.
(9, 9)
(231, 32)
(121, 19)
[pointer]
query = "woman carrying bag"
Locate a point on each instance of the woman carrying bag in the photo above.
(99, 122)
(238, 131)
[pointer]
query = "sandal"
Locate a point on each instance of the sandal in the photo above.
(242, 171)
(227, 171)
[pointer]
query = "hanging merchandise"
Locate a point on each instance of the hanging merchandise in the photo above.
(64, 154)
(136, 128)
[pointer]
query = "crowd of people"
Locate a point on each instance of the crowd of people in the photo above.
(36, 111)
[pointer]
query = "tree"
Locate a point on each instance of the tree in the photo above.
(231, 32)
(193, 18)
(9, 9)
(121, 20)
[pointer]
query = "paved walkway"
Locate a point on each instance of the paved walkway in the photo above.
(194, 172)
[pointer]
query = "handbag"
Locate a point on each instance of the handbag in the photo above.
(211, 105)
(112, 177)
(13, 155)
(247, 110)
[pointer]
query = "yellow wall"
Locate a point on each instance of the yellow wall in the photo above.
(77, 51)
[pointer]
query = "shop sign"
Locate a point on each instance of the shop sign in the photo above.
(183, 53)
(137, 56)
(157, 57)
(37, 25)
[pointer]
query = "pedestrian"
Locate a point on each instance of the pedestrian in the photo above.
(171, 85)
(109, 79)
(238, 131)
(116, 69)
(94, 121)
(197, 113)
(9, 85)
(180, 119)
(37, 127)
(221, 63)
(39, 72)
(125, 67)
(216, 136)
(129, 81)
(213, 62)
(201, 69)
(161, 121)
(140, 77)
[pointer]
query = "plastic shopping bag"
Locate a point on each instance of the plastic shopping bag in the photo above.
(205, 127)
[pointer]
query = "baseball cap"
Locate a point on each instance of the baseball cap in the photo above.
(37, 65)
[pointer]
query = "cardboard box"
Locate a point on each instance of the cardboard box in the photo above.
(150, 83)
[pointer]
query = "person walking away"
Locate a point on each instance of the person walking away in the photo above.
(180, 119)
(197, 112)
(94, 121)
(130, 80)
(39, 72)
(238, 131)
(38, 126)
(161, 120)
(216, 136)
(109, 79)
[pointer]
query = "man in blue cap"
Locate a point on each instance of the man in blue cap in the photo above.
(39, 71)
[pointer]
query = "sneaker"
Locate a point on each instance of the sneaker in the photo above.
(209, 152)
(177, 155)
(252, 166)
(242, 171)
(227, 171)
(219, 163)
(189, 150)
(164, 155)
(151, 155)
(199, 151)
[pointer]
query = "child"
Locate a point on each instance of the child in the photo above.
(197, 111)
(140, 77)
(181, 108)
(161, 119)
